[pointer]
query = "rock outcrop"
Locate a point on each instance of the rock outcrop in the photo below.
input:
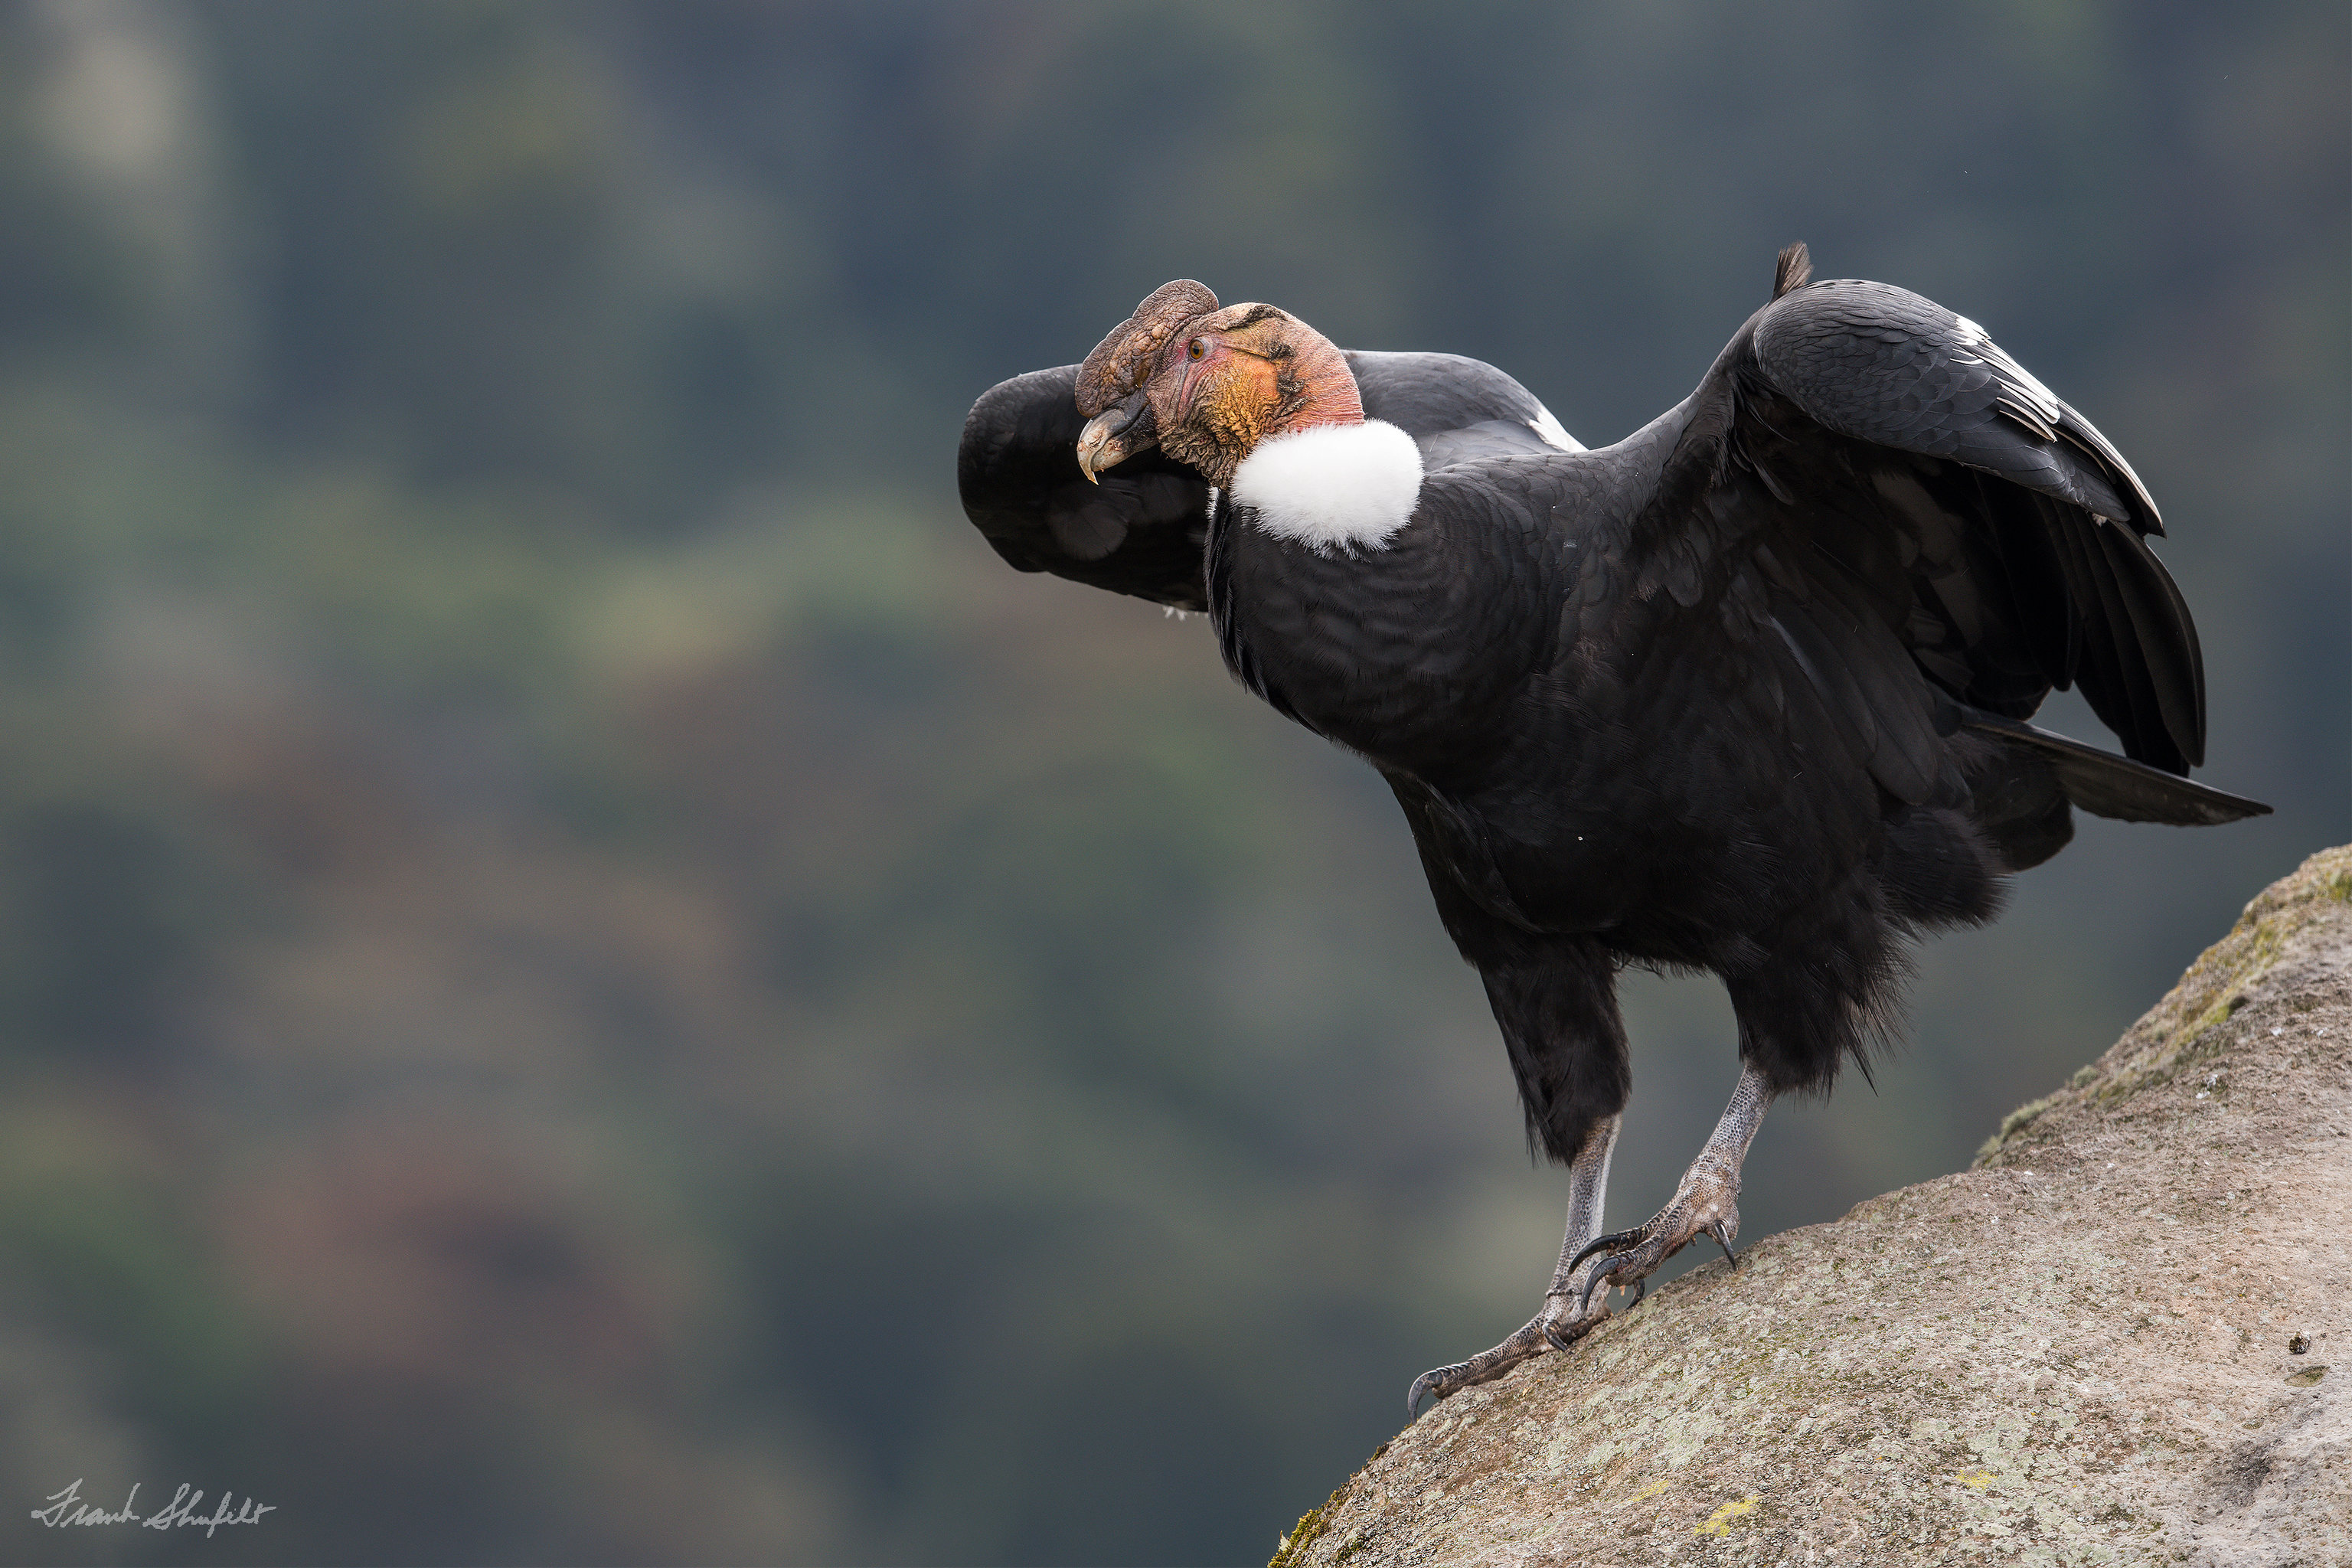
(2120, 1338)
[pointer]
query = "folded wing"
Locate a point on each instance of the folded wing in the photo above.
(1927, 536)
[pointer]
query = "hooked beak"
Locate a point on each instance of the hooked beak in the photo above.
(1115, 434)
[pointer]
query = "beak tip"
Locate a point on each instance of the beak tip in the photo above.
(1112, 437)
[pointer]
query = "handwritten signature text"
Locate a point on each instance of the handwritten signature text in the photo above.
(66, 1508)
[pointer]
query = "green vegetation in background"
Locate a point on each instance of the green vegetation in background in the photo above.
(587, 976)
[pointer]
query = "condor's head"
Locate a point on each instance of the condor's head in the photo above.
(1206, 385)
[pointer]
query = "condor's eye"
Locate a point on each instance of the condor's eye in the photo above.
(1197, 349)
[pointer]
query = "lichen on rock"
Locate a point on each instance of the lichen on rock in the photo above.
(2109, 1342)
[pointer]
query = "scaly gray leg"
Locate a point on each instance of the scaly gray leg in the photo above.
(1567, 1313)
(1706, 1204)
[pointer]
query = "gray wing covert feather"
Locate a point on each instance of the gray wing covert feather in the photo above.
(1423, 393)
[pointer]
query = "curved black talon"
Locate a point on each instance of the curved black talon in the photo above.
(1553, 1334)
(1716, 1232)
(1610, 1243)
(1600, 1278)
(1641, 1290)
(1421, 1386)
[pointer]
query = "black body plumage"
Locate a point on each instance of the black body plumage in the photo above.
(1743, 692)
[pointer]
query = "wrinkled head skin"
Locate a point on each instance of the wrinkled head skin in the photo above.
(1122, 361)
(1206, 385)
(1110, 381)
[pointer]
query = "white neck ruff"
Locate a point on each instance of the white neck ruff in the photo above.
(1332, 487)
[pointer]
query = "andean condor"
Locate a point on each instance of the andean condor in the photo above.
(1745, 693)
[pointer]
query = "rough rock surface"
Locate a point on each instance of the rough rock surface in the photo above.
(2084, 1349)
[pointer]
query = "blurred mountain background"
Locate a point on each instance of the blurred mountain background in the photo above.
(588, 977)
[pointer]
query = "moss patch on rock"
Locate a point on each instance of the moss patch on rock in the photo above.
(2179, 1030)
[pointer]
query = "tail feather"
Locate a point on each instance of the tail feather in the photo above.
(1793, 268)
(2109, 785)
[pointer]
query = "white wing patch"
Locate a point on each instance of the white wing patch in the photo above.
(2037, 408)
(1547, 428)
(1335, 487)
(2022, 398)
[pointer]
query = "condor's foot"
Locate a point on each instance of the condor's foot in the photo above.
(1706, 1204)
(1568, 1313)
(1566, 1316)
(1703, 1205)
